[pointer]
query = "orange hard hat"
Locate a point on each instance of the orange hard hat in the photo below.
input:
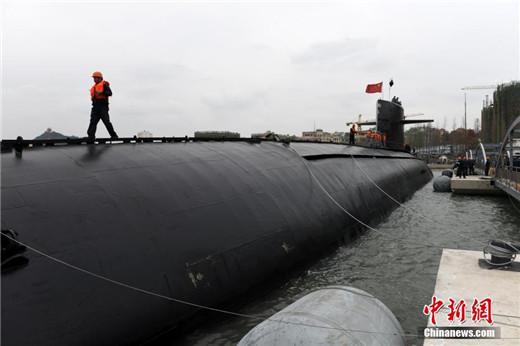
(458, 158)
(487, 157)
(97, 74)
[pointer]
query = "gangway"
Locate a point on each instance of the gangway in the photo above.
(507, 174)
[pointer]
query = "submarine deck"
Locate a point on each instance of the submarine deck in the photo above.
(461, 277)
(304, 147)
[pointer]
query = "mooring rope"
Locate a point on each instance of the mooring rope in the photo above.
(513, 203)
(380, 232)
(180, 301)
(509, 253)
(352, 216)
(410, 209)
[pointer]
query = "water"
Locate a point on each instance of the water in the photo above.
(401, 274)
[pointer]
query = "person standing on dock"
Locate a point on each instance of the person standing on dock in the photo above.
(459, 165)
(488, 166)
(471, 166)
(464, 164)
(99, 94)
(506, 160)
(352, 134)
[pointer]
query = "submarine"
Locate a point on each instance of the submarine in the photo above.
(117, 242)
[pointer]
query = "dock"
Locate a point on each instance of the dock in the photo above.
(475, 185)
(440, 165)
(463, 275)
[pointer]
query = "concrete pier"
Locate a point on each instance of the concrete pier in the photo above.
(461, 277)
(440, 165)
(475, 185)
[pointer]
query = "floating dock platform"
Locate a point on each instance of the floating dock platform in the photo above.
(465, 275)
(475, 185)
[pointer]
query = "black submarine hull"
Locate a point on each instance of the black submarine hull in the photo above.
(200, 222)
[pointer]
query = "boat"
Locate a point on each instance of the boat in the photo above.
(117, 242)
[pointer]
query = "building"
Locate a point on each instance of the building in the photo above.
(497, 117)
(144, 134)
(321, 136)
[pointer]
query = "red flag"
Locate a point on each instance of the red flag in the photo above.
(374, 88)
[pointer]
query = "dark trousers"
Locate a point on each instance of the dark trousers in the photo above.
(351, 139)
(100, 112)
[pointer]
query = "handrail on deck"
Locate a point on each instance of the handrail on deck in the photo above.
(509, 177)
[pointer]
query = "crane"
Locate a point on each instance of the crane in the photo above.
(356, 122)
(474, 88)
(479, 87)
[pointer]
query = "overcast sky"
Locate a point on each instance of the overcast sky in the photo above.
(180, 67)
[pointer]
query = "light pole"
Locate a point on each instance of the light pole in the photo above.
(465, 111)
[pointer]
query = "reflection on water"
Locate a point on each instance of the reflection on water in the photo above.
(400, 274)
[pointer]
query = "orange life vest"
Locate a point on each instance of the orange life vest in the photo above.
(98, 87)
(368, 133)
